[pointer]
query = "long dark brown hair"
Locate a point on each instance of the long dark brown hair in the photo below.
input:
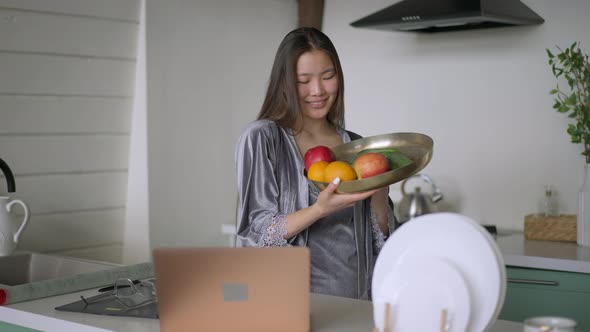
(281, 103)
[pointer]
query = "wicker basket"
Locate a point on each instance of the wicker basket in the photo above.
(558, 228)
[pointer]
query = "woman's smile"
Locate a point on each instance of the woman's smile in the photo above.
(318, 103)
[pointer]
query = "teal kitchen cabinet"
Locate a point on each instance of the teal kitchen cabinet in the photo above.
(536, 292)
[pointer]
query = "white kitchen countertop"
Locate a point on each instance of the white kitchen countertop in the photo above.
(550, 255)
(328, 314)
(340, 314)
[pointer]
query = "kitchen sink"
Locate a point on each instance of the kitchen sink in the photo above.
(27, 267)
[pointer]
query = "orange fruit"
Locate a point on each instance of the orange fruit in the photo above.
(316, 171)
(339, 169)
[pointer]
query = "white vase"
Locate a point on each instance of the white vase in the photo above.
(583, 222)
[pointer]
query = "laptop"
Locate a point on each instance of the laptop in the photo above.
(233, 289)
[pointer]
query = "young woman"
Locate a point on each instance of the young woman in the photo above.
(278, 206)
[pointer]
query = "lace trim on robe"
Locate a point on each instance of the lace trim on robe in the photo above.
(274, 233)
(378, 237)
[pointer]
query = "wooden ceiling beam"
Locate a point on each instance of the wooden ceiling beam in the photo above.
(310, 13)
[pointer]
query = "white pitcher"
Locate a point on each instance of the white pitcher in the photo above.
(10, 232)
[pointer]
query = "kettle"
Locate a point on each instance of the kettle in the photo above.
(9, 232)
(417, 203)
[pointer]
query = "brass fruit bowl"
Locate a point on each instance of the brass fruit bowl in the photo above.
(417, 147)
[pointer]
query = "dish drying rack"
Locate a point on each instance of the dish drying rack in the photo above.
(444, 327)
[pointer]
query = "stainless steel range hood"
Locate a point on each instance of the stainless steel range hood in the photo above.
(449, 15)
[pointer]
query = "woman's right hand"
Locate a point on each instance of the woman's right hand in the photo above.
(329, 201)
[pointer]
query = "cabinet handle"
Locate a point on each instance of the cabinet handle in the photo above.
(533, 282)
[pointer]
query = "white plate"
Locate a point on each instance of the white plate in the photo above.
(418, 297)
(503, 277)
(465, 245)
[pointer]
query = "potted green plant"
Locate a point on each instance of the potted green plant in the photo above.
(573, 66)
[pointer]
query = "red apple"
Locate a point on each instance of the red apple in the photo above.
(370, 164)
(318, 153)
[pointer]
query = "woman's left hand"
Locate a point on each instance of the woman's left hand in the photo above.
(379, 204)
(381, 194)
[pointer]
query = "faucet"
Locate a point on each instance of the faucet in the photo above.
(9, 176)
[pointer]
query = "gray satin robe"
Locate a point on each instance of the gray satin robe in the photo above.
(271, 184)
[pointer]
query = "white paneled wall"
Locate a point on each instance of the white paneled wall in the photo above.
(66, 94)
